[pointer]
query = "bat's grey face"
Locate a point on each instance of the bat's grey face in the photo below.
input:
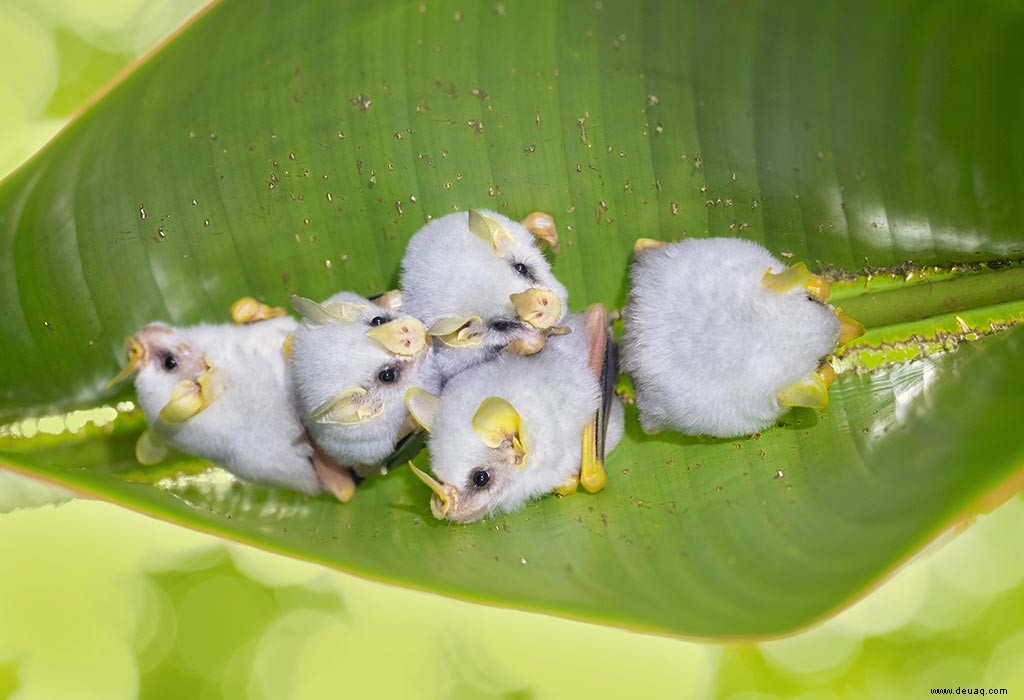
(175, 379)
(489, 468)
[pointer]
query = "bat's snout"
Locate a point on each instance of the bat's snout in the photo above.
(403, 336)
(541, 308)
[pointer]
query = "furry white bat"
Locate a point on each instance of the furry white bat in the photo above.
(509, 430)
(721, 337)
(481, 285)
(351, 361)
(222, 392)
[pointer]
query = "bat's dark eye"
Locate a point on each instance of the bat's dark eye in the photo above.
(377, 321)
(387, 375)
(481, 477)
(170, 362)
(503, 326)
(522, 269)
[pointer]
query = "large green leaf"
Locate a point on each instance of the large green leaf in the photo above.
(270, 149)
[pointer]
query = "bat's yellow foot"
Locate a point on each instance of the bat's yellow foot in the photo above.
(569, 486)
(248, 310)
(592, 474)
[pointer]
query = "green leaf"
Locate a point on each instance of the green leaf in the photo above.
(272, 149)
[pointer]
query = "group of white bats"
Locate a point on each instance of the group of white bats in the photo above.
(516, 395)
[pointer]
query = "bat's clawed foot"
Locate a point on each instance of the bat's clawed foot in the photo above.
(335, 479)
(249, 310)
(568, 487)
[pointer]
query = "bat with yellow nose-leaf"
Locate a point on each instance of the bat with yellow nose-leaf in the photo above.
(222, 392)
(351, 360)
(481, 285)
(722, 338)
(507, 431)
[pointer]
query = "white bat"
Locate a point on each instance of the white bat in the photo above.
(351, 361)
(221, 392)
(721, 338)
(480, 284)
(509, 430)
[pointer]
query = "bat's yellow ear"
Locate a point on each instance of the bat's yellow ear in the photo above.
(811, 391)
(343, 311)
(542, 226)
(849, 328)
(347, 407)
(440, 502)
(389, 300)
(458, 332)
(137, 357)
(793, 276)
(248, 310)
(422, 406)
(490, 231)
(310, 310)
(193, 396)
(497, 421)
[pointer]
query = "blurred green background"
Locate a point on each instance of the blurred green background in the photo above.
(96, 601)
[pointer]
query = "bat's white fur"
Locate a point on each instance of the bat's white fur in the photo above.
(329, 358)
(555, 393)
(707, 346)
(251, 429)
(449, 272)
